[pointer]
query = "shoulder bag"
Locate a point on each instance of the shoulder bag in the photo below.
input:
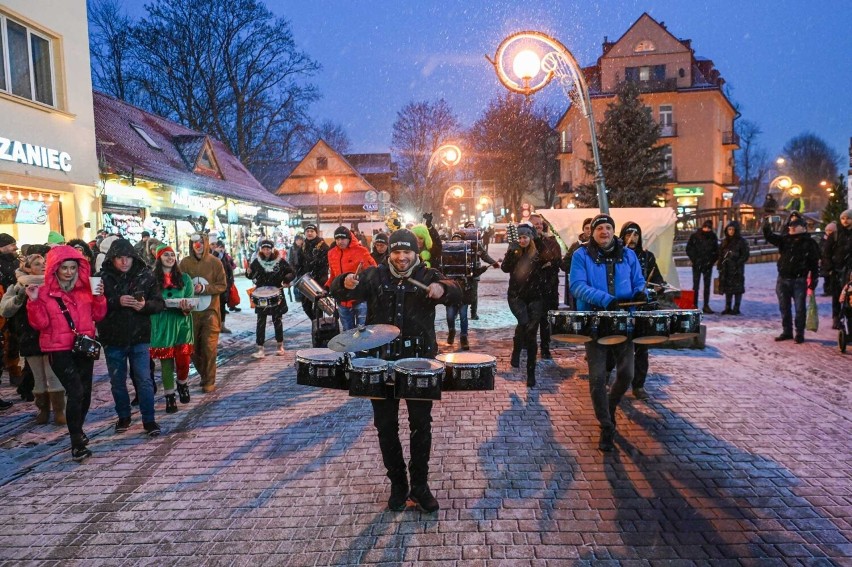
(83, 344)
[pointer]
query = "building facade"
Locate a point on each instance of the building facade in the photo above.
(48, 163)
(683, 92)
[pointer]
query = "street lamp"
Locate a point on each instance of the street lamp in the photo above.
(322, 187)
(531, 53)
(446, 154)
(338, 188)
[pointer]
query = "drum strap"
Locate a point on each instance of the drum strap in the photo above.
(610, 278)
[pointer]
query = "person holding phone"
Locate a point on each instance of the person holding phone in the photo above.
(133, 295)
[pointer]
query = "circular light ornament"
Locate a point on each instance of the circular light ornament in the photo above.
(527, 64)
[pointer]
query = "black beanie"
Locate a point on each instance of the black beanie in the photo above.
(708, 224)
(403, 239)
(601, 219)
(312, 227)
(380, 237)
(342, 232)
(6, 239)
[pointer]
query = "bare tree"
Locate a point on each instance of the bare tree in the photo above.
(111, 46)
(753, 163)
(511, 146)
(230, 69)
(809, 161)
(420, 129)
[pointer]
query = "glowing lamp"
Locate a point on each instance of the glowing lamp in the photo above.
(526, 64)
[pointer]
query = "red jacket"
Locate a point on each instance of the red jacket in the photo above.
(346, 261)
(85, 309)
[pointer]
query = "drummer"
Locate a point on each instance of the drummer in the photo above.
(392, 299)
(605, 274)
(271, 270)
(631, 235)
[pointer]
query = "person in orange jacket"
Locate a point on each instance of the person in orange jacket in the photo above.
(344, 257)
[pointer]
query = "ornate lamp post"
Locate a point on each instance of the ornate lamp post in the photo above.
(536, 59)
(446, 154)
(322, 187)
(338, 188)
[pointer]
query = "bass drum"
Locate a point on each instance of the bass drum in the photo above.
(468, 371)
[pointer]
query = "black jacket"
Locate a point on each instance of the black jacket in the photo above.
(527, 280)
(280, 274)
(799, 255)
(647, 259)
(314, 260)
(124, 326)
(837, 252)
(9, 264)
(703, 249)
(392, 302)
(733, 255)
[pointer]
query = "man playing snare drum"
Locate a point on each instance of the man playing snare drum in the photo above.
(605, 274)
(392, 299)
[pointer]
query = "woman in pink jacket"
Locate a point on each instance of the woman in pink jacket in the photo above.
(66, 283)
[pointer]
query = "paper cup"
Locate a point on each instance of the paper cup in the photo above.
(95, 281)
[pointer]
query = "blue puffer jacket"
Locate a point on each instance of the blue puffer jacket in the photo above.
(588, 276)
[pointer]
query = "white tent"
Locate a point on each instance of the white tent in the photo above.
(658, 230)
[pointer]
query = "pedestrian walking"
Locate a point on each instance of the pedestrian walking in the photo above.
(798, 271)
(133, 295)
(413, 311)
(605, 274)
(172, 337)
(703, 251)
(837, 262)
(733, 255)
(824, 263)
(346, 256)
(61, 309)
(229, 266)
(550, 257)
(270, 269)
(9, 265)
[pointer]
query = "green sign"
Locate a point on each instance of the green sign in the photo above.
(688, 191)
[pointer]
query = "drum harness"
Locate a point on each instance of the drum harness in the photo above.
(402, 346)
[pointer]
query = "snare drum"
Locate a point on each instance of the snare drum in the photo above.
(651, 327)
(417, 379)
(684, 324)
(613, 327)
(267, 296)
(320, 367)
(468, 371)
(368, 378)
(572, 326)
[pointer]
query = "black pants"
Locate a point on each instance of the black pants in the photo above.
(550, 302)
(308, 306)
(75, 373)
(223, 305)
(838, 282)
(697, 274)
(640, 365)
(386, 420)
(474, 293)
(277, 313)
(528, 314)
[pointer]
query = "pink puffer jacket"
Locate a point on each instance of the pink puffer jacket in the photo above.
(85, 309)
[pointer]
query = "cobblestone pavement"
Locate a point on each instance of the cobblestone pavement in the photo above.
(740, 457)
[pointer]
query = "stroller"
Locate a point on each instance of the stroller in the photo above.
(844, 335)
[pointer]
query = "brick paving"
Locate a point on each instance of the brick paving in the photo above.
(741, 458)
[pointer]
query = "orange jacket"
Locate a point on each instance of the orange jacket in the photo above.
(346, 261)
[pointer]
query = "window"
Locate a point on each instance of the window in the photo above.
(644, 46)
(666, 115)
(206, 160)
(26, 62)
(668, 159)
(322, 163)
(645, 73)
(144, 135)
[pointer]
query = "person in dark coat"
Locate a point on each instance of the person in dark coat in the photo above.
(551, 257)
(837, 262)
(314, 262)
(229, 266)
(703, 251)
(798, 271)
(582, 240)
(270, 269)
(526, 294)
(392, 299)
(9, 265)
(733, 255)
(631, 236)
(133, 295)
(830, 229)
(84, 249)
(380, 248)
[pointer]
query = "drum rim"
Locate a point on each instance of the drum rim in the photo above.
(490, 359)
(367, 364)
(303, 357)
(415, 371)
(268, 290)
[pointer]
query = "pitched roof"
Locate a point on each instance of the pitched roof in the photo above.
(371, 164)
(173, 162)
(271, 175)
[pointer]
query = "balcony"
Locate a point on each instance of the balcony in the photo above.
(668, 130)
(730, 139)
(657, 86)
(566, 147)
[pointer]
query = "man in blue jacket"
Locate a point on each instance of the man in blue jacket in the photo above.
(604, 275)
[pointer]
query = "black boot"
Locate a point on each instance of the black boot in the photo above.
(79, 451)
(183, 392)
(451, 337)
(422, 497)
(516, 353)
(531, 352)
(606, 443)
(738, 298)
(399, 490)
(545, 353)
(530, 377)
(727, 310)
(171, 404)
(463, 342)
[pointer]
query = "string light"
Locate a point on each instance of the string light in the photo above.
(30, 196)
(51, 198)
(8, 195)
(41, 198)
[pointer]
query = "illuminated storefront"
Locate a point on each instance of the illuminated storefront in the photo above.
(687, 199)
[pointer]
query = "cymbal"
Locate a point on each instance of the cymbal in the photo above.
(363, 338)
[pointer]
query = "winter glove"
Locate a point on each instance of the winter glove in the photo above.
(640, 296)
(428, 218)
(613, 305)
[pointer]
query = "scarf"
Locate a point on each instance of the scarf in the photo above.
(407, 273)
(268, 265)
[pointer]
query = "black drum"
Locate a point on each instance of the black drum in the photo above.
(651, 327)
(613, 327)
(684, 324)
(368, 378)
(322, 368)
(468, 371)
(458, 259)
(572, 326)
(417, 379)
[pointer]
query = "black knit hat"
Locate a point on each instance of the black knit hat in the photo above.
(403, 239)
(342, 232)
(6, 239)
(266, 243)
(601, 219)
(312, 226)
(380, 237)
(708, 224)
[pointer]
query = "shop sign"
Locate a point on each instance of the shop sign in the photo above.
(37, 156)
(118, 193)
(195, 202)
(244, 210)
(728, 195)
(276, 215)
(688, 191)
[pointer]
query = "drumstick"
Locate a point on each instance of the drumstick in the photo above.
(358, 269)
(416, 283)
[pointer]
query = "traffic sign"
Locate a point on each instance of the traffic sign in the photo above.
(384, 197)
(371, 206)
(371, 196)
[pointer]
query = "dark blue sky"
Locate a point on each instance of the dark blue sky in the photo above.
(789, 63)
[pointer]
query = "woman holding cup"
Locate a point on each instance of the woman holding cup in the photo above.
(172, 337)
(67, 292)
